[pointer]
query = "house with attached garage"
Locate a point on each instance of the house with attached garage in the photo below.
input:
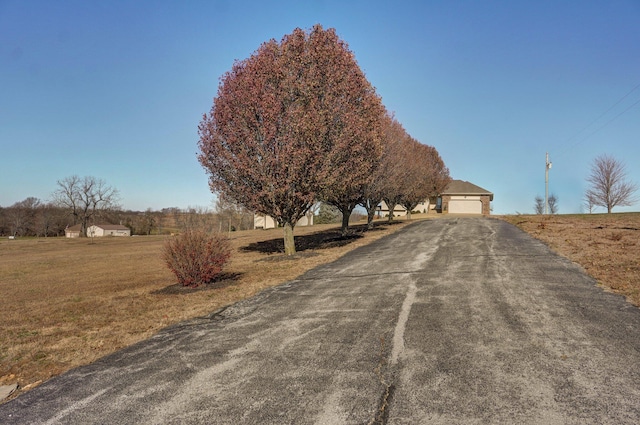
(462, 197)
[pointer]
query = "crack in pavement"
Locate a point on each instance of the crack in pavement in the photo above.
(398, 342)
(382, 412)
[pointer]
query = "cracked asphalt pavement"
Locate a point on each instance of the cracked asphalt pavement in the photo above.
(455, 320)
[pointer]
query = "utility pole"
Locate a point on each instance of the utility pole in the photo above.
(546, 185)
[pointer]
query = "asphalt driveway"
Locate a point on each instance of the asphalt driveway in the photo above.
(458, 320)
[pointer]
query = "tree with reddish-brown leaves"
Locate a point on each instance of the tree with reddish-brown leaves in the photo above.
(396, 174)
(361, 154)
(285, 122)
(409, 173)
(383, 176)
(426, 174)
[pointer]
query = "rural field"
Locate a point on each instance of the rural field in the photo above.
(68, 302)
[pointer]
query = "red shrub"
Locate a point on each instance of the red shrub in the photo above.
(196, 257)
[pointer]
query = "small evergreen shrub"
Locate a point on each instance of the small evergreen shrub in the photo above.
(196, 257)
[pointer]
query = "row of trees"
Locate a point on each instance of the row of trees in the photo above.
(87, 200)
(75, 200)
(538, 206)
(34, 217)
(298, 122)
(408, 174)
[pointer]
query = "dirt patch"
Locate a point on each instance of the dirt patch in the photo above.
(289, 258)
(322, 240)
(222, 281)
(605, 245)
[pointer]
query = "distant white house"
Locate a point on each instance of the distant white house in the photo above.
(400, 211)
(99, 230)
(261, 221)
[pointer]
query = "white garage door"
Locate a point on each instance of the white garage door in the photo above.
(465, 206)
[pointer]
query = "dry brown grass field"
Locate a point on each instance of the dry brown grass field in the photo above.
(68, 302)
(607, 246)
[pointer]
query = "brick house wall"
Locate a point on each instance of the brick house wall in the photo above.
(486, 204)
(445, 203)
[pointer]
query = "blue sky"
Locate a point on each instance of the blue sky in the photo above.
(116, 89)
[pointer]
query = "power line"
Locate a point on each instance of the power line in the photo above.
(597, 119)
(612, 119)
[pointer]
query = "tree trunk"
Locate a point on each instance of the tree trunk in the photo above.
(408, 214)
(391, 208)
(346, 213)
(289, 242)
(370, 214)
(371, 208)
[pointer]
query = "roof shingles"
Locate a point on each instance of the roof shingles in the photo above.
(461, 187)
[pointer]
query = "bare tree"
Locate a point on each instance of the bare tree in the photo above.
(32, 217)
(49, 220)
(609, 185)
(149, 221)
(553, 204)
(140, 223)
(85, 198)
(21, 216)
(233, 216)
(196, 218)
(589, 202)
(3, 221)
(538, 207)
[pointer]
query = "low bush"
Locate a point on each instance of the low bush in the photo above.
(196, 257)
